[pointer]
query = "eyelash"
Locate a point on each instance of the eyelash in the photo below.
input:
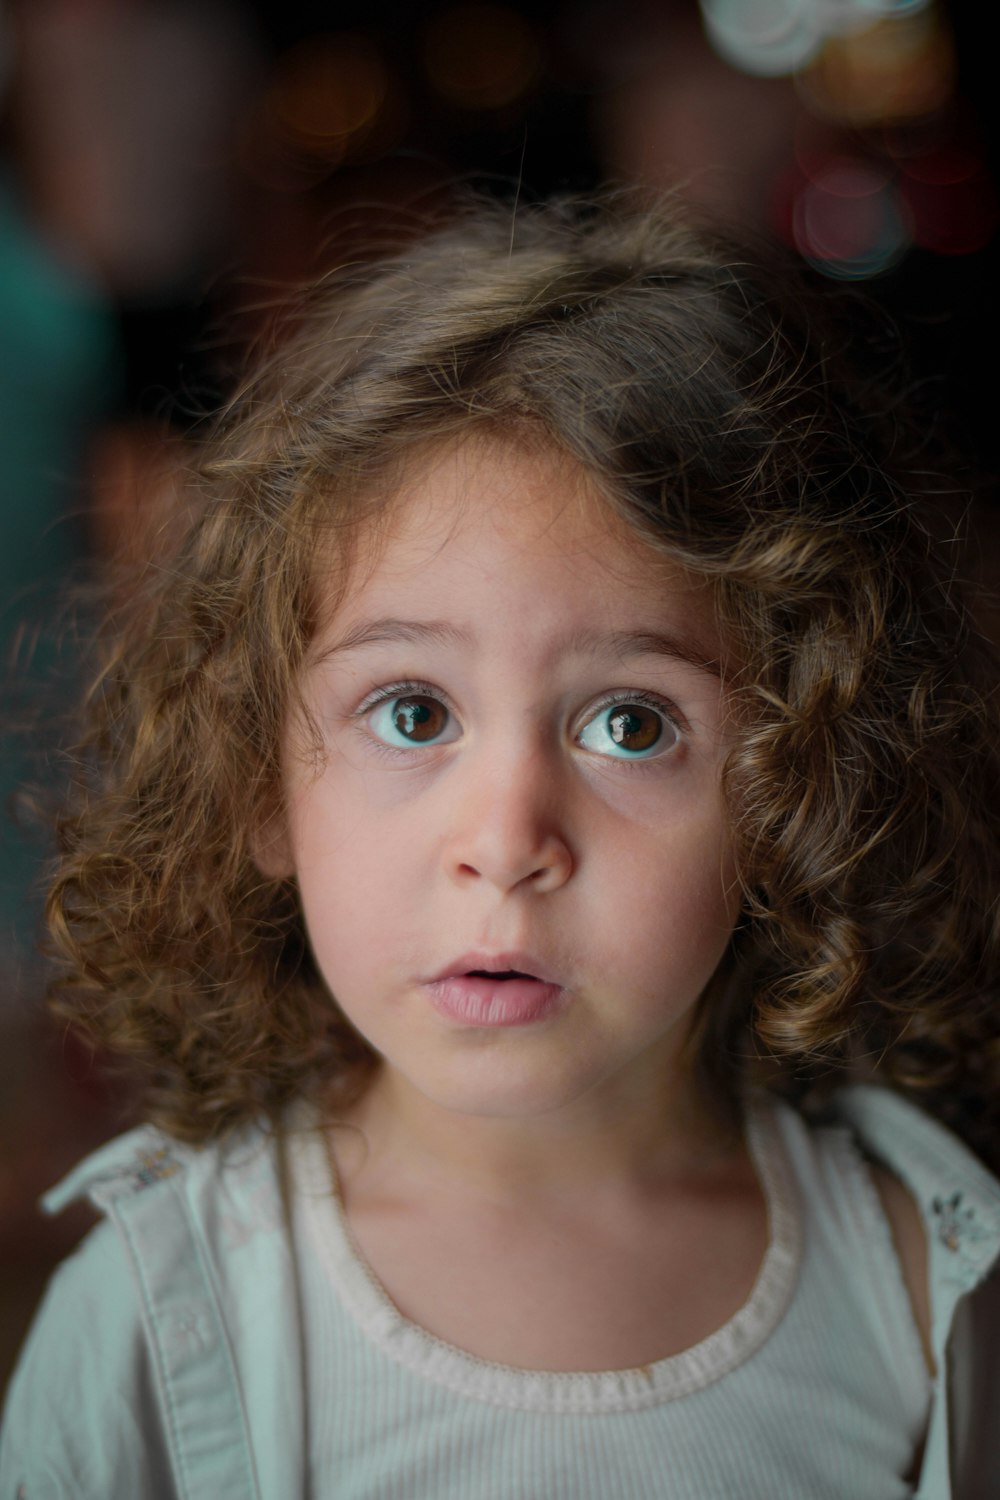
(646, 700)
(400, 689)
(412, 685)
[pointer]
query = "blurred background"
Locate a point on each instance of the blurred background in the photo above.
(167, 166)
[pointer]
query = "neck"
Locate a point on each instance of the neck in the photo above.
(628, 1140)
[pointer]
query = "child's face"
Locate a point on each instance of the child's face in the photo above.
(522, 737)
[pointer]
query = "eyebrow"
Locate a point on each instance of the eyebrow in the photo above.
(621, 643)
(626, 643)
(390, 631)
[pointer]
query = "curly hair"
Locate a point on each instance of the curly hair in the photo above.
(705, 402)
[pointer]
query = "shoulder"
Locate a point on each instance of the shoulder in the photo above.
(85, 1370)
(955, 1198)
(944, 1208)
(926, 1177)
(129, 1165)
(940, 1203)
(229, 1190)
(133, 1300)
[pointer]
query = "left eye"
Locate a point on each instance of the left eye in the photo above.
(411, 719)
(630, 731)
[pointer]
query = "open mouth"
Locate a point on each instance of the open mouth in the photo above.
(499, 974)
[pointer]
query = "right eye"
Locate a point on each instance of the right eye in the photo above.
(409, 719)
(630, 728)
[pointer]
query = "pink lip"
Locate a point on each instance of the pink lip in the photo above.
(480, 1000)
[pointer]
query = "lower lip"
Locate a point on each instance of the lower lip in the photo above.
(492, 1002)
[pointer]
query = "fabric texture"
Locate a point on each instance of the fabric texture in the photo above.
(219, 1336)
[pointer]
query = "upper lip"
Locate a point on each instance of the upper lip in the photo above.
(498, 963)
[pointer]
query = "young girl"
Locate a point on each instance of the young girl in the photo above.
(539, 843)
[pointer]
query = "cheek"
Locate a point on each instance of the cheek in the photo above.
(353, 870)
(675, 891)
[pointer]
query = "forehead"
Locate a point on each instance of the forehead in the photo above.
(494, 524)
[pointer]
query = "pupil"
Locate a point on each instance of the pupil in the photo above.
(634, 728)
(418, 718)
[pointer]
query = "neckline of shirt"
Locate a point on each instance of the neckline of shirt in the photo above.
(586, 1391)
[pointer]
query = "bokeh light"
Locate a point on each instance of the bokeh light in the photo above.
(891, 70)
(849, 220)
(877, 85)
(481, 56)
(951, 199)
(766, 37)
(327, 95)
(897, 8)
(774, 37)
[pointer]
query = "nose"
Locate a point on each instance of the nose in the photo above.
(508, 827)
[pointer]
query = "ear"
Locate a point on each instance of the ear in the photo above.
(270, 843)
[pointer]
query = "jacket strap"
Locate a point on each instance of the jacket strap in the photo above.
(203, 1408)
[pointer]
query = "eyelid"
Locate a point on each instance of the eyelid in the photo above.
(643, 696)
(401, 689)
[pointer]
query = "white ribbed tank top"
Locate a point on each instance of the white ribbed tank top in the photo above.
(816, 1389)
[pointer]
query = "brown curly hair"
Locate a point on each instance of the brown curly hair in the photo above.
(711, 412)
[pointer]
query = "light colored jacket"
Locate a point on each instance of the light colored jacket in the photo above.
(128, 1388)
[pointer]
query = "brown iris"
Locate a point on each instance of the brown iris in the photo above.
(634, 727)
(418, 718)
